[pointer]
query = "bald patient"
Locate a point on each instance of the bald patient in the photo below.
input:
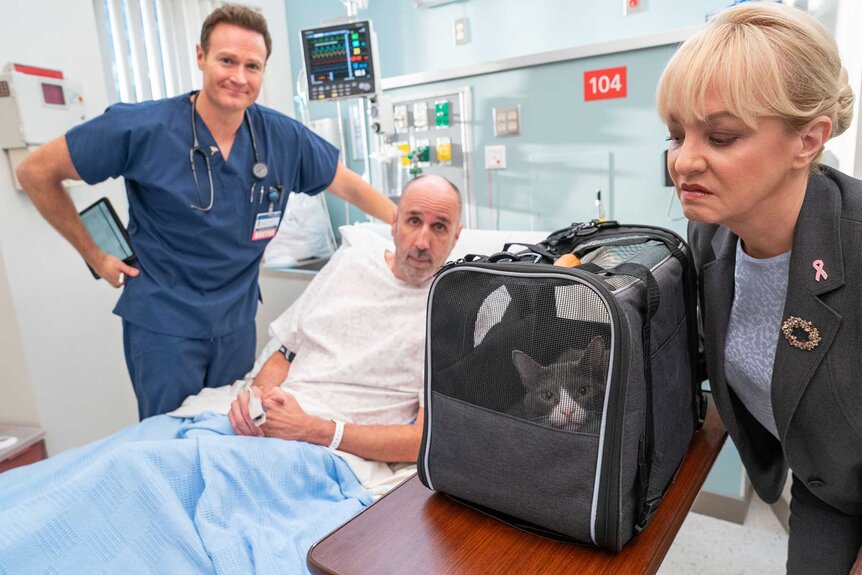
(354, 341)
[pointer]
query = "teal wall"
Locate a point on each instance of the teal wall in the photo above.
(567, 147)
(415, 40)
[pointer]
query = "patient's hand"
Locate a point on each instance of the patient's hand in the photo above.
(286, 420)
(242, 422)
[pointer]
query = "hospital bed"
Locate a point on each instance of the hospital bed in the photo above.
(184, 495)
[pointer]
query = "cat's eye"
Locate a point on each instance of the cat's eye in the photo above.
(547, 395)
(582, 390)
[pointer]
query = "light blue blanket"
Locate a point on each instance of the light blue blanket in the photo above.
(175, 496)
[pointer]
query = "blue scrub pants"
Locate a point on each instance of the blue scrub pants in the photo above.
(166, 369)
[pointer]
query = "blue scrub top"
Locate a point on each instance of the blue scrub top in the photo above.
(199, 270)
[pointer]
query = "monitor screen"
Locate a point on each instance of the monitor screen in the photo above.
(339, 61)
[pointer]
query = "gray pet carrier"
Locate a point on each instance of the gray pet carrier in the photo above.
(562, 400)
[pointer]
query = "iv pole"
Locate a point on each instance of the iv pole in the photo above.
(353, 6)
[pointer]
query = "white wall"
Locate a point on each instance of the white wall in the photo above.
(18, 406)
(847, 15)
(65, 371)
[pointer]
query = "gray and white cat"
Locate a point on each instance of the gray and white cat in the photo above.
(567, 394)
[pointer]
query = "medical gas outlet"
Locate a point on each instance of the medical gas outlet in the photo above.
(423, 152)
(444, 151)
(420, 116)
(441, 114)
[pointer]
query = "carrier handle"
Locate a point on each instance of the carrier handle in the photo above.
(506, 256)
(548, 247)
(494, 258)
(470, 258)
(576, 229)
(534, 249)
(503, 256)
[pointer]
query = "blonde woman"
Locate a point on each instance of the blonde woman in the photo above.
(749, 103)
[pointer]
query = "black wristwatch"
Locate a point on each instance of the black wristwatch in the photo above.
(288, 355)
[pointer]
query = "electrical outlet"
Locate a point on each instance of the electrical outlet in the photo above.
(507, 121)
(462, 31)
(495, 157)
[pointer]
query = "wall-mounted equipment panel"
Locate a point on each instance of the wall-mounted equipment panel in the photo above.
(36, 105)
(432, 135)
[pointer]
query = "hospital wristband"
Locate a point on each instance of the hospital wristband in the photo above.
(339, 433)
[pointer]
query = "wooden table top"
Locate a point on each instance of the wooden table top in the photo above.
(416, 531)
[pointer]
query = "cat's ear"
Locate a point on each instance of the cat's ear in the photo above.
(527, 367)
(594, 356)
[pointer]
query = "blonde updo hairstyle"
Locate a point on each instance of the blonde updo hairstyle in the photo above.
(762, 59)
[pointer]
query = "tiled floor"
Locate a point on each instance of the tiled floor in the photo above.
(709, 546)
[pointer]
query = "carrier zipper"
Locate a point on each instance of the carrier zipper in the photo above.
(594, 225)
(578, 230)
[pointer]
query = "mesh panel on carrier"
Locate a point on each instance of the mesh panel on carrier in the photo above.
(535, 351)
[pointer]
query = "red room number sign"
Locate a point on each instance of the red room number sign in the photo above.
(605, 84)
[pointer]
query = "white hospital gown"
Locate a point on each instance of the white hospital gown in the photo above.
(359, 336)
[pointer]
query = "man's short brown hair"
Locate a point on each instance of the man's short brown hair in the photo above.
(241, 16)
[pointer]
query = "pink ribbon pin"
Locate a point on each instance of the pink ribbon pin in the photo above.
(818, 267)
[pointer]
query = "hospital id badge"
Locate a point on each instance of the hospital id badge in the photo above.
(265, 225)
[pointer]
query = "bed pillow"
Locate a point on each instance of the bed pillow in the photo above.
(371, 235)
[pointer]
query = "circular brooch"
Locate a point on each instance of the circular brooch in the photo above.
(793, 323)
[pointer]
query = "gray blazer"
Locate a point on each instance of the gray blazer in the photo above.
(816, 394)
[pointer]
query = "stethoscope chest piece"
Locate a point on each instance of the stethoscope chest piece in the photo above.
(259, 170)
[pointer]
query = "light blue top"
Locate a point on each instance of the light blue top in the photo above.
(752, 335)
(199, 270)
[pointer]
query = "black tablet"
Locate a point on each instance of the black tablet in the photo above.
(107, 231)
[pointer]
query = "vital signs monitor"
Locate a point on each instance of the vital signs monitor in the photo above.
(339, 60)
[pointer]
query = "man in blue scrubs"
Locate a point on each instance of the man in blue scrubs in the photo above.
(199, 229)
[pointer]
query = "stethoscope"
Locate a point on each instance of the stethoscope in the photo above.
(259, 169)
